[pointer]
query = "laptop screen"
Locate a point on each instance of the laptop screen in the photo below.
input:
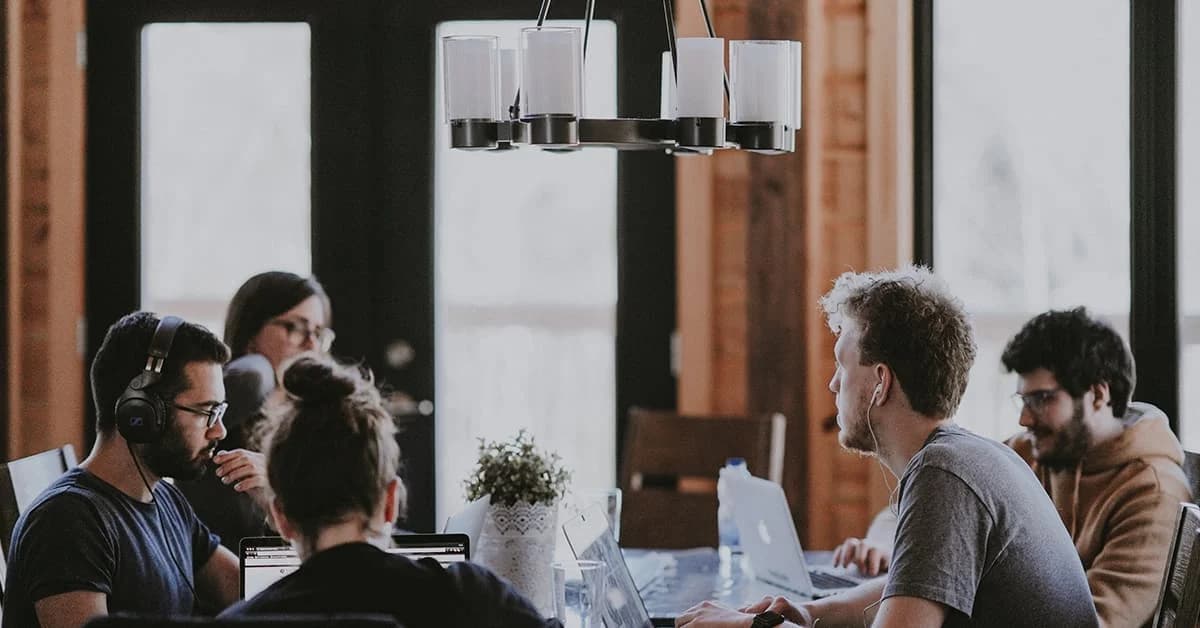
(265, 559)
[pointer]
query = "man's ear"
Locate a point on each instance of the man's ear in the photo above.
(883, 383)
(1102, 395)
(394, 498)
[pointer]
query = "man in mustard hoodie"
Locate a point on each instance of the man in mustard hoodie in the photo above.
(1111, 466)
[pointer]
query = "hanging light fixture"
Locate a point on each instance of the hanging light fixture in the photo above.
(499, 99)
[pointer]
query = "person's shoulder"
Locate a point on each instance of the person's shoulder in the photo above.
(237, 609)
(68, 510)
(953, 443)
(74, 492)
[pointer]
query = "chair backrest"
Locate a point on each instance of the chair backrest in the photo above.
(22, 480)
(340, 620)
(1179, 597)
(1191, 470)
(661, 448)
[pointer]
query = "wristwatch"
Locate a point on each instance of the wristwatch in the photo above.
(767, 619)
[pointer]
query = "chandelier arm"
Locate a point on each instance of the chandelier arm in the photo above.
(669, 14)
(543, 12)
(712, 32)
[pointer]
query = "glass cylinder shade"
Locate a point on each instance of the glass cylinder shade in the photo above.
(700, 89)
(508, 80)
(471, 76)
(798, 87)
(551, 71)
(762, 81)
(667, 93)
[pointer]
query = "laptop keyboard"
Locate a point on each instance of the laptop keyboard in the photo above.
(822, 580)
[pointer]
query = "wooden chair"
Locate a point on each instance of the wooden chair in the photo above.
(662, 448)
(22, 480)
(1179, 597)
(1191, 470)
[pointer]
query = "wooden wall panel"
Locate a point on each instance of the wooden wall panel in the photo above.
(777, 230)
(45, 243)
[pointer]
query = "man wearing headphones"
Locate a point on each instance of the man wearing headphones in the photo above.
(108, 536)
(977, 542)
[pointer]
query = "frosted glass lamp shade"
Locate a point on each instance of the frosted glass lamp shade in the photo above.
(701, 77)
(471, 77)
(508, 80)
(798, 87)
(762, 81)
(667, 94)
(551, 71)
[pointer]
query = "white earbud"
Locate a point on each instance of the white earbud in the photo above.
(878, 390)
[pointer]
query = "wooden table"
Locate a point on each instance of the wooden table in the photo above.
(699, 574)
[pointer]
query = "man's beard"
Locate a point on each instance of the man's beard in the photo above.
(1070, 443)
(169, 457)
(856, 435)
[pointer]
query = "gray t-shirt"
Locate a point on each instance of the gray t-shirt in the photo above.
(977, 533)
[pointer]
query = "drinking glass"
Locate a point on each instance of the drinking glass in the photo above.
(579, 592)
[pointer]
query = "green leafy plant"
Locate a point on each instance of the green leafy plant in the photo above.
(516, 471)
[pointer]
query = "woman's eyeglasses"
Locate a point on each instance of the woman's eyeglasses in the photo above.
(299, 332)
(214, 413)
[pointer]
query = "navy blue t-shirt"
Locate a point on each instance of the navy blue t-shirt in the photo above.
(361, 578)
(83, 534)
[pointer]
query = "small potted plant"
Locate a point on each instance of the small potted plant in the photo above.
(518, 534)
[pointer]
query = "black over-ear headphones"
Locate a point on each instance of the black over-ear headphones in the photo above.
(141, 413)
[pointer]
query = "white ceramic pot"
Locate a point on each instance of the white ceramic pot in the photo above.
(517, 544)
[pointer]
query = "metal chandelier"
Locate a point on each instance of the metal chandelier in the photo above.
(546, 96)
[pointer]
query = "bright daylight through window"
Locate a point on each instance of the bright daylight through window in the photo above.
(1031, 173)
(526, 289)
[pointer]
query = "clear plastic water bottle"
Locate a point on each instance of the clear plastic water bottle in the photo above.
(728, 542)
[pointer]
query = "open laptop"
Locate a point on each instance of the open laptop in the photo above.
(265, 559)
(590, 539)
(768, 538)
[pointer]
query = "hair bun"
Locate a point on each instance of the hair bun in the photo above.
(317, 381)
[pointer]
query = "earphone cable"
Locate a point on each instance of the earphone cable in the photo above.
(892, 504)
(161, 530)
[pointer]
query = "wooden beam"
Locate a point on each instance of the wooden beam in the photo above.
(890, 174)
(45, 380)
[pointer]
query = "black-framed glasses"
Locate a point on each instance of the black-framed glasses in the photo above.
(298, 332)
(1035, 400)
(214, 413)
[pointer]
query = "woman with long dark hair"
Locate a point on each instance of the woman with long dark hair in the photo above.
(273, 317)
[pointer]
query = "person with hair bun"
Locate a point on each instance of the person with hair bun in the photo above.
(332, 459)
(273, 317)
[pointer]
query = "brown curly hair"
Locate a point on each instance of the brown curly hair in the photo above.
(911, 323)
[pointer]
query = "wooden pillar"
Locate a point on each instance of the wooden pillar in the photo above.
(45, 92)
(762, 237)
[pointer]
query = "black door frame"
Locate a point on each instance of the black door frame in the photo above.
(372, 184)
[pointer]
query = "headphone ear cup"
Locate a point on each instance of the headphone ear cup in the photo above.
(140, 414)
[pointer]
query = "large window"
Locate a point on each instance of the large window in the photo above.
(225, 183)
(1031, 172)
(526, 289)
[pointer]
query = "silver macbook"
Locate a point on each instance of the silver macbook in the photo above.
(768, 538)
